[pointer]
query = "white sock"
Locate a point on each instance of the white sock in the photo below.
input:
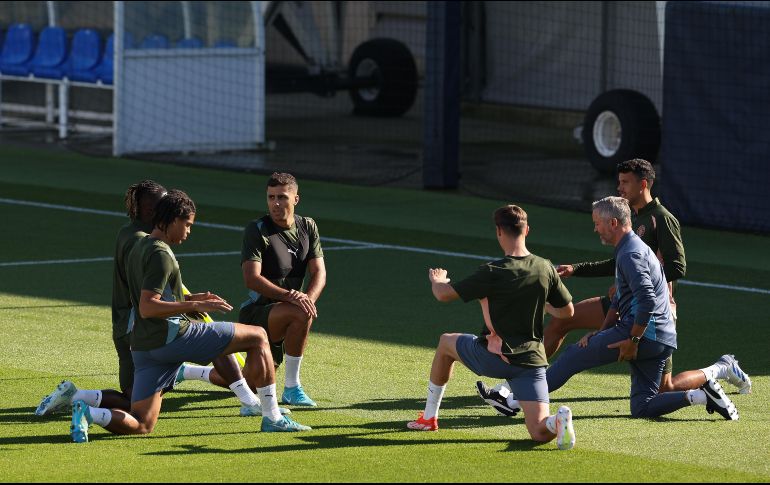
(197, 373)
(550, 423)
(435, 394)
(715, 371)
(696, 396)
(269, 402)
(92, 398)
(101, 416)
(242, 390)
(292, 370)
(513, 403)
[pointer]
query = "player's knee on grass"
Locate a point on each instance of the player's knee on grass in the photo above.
(542, 436)
(639, 408)
(145, 428)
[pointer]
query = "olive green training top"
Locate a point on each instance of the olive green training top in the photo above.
(517, 289)
(152, 266)
(128, 235)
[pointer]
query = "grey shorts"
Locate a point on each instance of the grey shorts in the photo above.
(527, 383)
(156, 369)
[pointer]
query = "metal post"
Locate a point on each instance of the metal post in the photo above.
(49, 103)
(660, 13)
(51, 9)
(605, 47)
(186, 19)
(442, 95)
(117, 84)
(259, 44)
(63, 92)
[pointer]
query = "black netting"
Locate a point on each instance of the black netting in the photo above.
(552, 94)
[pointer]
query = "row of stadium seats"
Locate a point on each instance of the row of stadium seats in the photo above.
(48, 56)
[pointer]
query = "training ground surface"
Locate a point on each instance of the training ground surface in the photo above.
(370, 350)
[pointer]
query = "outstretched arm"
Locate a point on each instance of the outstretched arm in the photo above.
(151, 305)
(439, 284)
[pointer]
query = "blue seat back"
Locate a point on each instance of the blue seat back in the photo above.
(190, 43)
(155, 41)
(51, 48)
(19, 45)
(106, 68)
(86, 50)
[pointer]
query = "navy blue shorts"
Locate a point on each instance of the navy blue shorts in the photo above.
(527, 383)
(156, 369)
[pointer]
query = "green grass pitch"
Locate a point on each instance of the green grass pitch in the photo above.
(370, 349)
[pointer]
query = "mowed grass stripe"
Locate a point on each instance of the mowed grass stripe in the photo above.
(367, 364)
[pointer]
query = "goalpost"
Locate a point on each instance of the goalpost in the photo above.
(205, 96)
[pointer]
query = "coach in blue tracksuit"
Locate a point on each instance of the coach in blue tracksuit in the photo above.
(639, 327)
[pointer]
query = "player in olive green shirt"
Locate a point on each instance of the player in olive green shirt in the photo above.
(660, 230)
(140, 200)
(514, 293)
(163, 337)
(278, 250)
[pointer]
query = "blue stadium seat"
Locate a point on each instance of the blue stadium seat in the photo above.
(17, 50)
(155, 41)
(225, 43)
(51, 54)
(189, 43)
(85, 56)
(106, 68)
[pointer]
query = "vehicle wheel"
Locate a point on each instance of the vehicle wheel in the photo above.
(620, 125)
(392, 65)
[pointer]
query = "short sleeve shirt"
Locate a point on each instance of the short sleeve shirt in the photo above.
(517, 289)
(121, 300)
(283, 253)
(153, 266)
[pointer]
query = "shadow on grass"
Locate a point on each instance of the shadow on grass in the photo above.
(34, 307)
(56, 380)
(50, 439)
(24, 415)
(310, 441)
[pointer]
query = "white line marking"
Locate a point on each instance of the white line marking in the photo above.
(54, 261)
(358, 244)
(180, 255)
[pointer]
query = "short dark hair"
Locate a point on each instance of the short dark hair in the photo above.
(279, 179)
(135, 193)
(172, 205)
(639, 167)
(511, 219)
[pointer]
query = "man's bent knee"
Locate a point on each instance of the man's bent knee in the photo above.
(447, 340)
(253, 334)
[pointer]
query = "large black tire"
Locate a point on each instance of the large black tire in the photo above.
(639, 129)
(391, 63)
